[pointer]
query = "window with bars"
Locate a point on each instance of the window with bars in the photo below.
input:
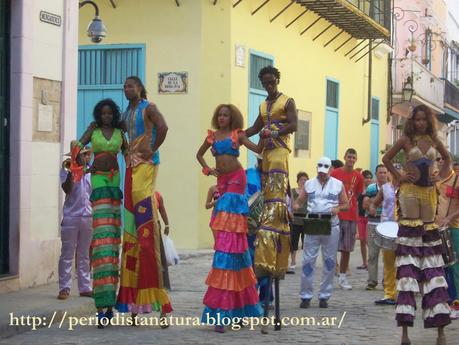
(375, 109)
(332, 94)
(257, 62)
(302, 143)
(107, 66)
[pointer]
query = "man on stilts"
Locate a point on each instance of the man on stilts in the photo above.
(276, 120)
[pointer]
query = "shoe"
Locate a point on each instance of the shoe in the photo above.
(100, 317)
(219, 329)
(63, 294)
(371, 286)
(163, 321)
(292, 267)
(290, 272)
(363, 267)
(323, 303)
(86, 294)
(385, 301)
(108, 315)
(305, 303)
(344, 284)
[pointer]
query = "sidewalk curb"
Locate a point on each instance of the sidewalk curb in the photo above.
(63, 310)
(7, 331)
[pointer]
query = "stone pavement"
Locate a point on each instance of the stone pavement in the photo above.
(361, 321)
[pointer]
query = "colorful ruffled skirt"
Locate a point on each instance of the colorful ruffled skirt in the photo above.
(142, 282)
(106, 200)
(232, 283)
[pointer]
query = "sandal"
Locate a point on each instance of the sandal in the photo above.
(362, 267)
(163, 321)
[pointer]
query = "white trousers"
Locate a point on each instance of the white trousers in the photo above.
(329, 245)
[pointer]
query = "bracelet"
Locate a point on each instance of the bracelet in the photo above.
(274, 134)
(206, 171)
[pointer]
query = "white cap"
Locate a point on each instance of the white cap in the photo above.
(324, 161)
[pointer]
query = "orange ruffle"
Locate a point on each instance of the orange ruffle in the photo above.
(230, 222)
(104, 241)
(235, 136)
(210, 136)
(107, 260)
(106, 221)
(231, 280)
(105, 281)
(106, 201)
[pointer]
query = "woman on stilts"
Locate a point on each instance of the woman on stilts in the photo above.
(419, 261)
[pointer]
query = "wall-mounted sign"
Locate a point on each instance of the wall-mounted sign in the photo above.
(172, 82)
(240, 55)
(50, 18)
(45, 118)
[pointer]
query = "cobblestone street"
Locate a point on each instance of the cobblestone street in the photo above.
(362, 323)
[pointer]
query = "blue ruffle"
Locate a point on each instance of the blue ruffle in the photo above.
(232, 203)
(212, 316)
(233, 262)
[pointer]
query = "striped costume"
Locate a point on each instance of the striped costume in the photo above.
(419, 260)
(106, 200)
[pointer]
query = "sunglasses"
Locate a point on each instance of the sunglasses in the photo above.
(320, 165)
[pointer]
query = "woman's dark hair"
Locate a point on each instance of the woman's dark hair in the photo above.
(143, 92)
(269, 70)
(300, 175)
(367, 174)
(410, 129)
(97, 113)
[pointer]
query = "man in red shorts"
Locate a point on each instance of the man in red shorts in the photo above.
(353, 184)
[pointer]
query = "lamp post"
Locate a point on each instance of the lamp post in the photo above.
(96, 29)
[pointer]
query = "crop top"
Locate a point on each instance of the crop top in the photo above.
(101, 144)
(423, 164)
(227, 146)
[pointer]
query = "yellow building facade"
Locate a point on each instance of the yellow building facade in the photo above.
(220, 46)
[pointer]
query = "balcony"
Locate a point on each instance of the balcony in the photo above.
(451, 96)
(360, 18)
(428, 89)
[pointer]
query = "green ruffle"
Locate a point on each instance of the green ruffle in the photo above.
(106, 234)
(106, 192)
(108, 273)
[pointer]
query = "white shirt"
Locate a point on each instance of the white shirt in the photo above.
(322, 199)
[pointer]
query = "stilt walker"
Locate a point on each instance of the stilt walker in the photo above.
(276, 120)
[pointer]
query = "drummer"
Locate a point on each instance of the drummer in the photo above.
(373, 221)
(448, 216)
(325, 197)
(386, 197)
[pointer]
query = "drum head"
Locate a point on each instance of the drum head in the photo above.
(387, 229)
(253, 198)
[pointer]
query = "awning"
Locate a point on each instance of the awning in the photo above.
(448, 116)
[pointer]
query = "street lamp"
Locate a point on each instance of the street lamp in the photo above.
(96, 29)
(407, 91)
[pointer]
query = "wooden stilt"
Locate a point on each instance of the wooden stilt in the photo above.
(277, 323)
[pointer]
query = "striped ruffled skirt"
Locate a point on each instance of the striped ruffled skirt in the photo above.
(419, 263)
(231, 282)
(106, 200)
